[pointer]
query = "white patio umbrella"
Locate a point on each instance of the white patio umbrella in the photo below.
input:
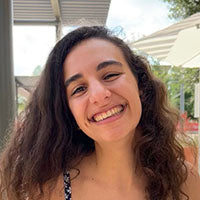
(178, 44)
(160, 43)
(186, 53)
(186, 49)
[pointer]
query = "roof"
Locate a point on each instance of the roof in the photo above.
(68, 12)
(159, 43)
(27, 82)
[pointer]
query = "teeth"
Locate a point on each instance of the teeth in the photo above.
(112, 112)
(104, 115)
(107, 114)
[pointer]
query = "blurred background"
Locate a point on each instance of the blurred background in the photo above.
(155, 29)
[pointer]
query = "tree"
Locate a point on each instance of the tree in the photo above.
(119, 32)
(37, 71)
(180, 9)
(21, 103)
(173, 77)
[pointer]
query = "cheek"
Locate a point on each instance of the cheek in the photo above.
(134, 97)
(137, 108)
(77, 109)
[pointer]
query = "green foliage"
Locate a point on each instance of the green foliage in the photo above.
(21, 103)
(180, 9)
(173, 77)
(37, 71)
(119, 32)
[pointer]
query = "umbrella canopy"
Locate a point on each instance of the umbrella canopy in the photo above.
(186, 49)
(160, 43)
(179, 45)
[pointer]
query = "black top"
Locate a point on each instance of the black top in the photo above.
(67, 185)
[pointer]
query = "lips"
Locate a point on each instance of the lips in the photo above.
(108, 113)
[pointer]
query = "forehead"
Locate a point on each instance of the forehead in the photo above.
(90, 53)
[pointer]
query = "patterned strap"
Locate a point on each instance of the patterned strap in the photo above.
(67, 185)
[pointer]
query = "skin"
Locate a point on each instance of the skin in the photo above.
(99, 90)
(104, 82)
(191, 188)
(96, 88)
(192, 185)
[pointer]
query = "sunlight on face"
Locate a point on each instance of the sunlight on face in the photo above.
(101, 90)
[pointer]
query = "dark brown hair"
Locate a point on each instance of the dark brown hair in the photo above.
(44, 142)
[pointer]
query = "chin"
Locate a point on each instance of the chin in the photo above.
(117, 136)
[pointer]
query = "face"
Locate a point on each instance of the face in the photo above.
(101, 90)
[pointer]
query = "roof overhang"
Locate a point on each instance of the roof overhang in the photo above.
(65, 12)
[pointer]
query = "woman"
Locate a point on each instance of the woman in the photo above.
(98, 126)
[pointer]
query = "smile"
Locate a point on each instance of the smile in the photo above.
(112, 112)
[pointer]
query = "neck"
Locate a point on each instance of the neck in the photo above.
(114, 163)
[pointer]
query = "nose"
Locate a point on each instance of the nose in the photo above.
(99, 94)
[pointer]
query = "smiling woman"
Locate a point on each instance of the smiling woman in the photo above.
(98, 126)
(104, 96)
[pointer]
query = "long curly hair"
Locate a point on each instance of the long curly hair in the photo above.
(44, 141)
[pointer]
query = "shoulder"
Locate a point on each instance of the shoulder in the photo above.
(53, 189)
(192, 185)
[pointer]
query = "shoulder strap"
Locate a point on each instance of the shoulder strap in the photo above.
(67, 185)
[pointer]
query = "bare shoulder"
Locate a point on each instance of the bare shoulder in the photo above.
(192, 185)
(54, 189)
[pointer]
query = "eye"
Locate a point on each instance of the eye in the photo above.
(79, 89)
(111, 76)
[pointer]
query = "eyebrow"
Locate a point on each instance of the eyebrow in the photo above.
(99, 67)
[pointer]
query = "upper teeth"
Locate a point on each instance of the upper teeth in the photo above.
(108, 113)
